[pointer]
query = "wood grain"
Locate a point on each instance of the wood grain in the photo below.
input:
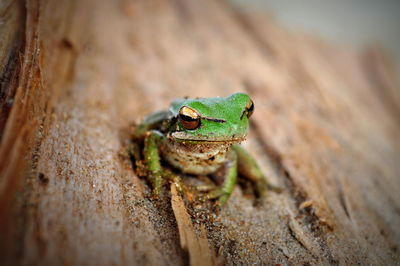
(326, 128)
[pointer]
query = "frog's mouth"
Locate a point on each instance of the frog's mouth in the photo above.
(182, 136)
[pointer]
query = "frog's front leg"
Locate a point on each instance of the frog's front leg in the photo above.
(223, 193)
(230, 179)
(248, 168)
(157, 174)
(152, 141)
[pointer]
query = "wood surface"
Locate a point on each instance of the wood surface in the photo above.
(77, 74)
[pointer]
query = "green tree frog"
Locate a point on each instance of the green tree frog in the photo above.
(199, 137)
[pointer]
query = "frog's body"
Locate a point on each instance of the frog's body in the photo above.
(199, 136)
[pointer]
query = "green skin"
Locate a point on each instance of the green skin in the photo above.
(207, 149)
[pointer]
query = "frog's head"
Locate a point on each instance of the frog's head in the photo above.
(212, 119)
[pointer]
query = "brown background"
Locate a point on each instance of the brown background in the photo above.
(75, 75)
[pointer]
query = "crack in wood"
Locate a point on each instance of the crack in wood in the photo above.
(11, 68)
(342, 200)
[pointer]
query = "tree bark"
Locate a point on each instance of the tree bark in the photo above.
(77, 74)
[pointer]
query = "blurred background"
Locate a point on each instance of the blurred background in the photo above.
(355, 23)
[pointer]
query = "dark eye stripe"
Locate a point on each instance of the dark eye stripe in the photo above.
(214, 119)
(187, 118)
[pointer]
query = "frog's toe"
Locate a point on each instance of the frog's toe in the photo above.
(179, 187)
(174, 179)
(262, 187)
(223, 199)
(205, 188)
(221, 196)
(213, 194)
(275, 188)
(156, 192)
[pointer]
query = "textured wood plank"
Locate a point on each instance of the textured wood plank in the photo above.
(11, 43)
(324, 129)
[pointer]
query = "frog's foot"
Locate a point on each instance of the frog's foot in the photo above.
(219, 194)
(262, 186)
(213, 194)
(275, 188)
(205, 188)
(174, 179)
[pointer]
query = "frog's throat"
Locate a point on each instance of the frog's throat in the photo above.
(195, 157)
(181, 136)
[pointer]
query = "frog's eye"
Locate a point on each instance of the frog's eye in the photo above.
(250, 108)
(189, 118)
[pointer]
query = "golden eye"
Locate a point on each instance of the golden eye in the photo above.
(189, 118)
(250, 108)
